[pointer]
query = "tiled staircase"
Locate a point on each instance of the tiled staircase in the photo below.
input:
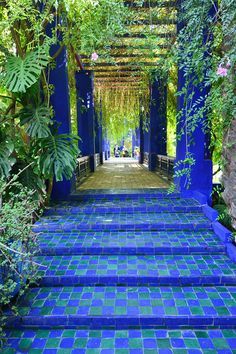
(128, 273)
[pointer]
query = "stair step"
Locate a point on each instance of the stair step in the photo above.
(130, 242)
(122, 194)
(124, 221)
(148, 341)
(125, 205)
(126, 307)
(136, 270)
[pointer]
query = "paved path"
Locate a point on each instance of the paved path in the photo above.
(123, 173)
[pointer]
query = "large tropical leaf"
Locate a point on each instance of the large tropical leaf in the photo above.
(58, 156)
(37, 120)
(23, 73)
(6, 161)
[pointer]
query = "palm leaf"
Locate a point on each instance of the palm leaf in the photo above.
(21, 74)
(6, 161)
(58, 156)
(38, 121)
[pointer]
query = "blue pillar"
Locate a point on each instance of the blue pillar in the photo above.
(98, 135)
(60, 101)
(96, 130)
(146, 139)
(141, 141)
(158, 121)
(105, 148)
(135, 140)
(85, 114)
(192, 144)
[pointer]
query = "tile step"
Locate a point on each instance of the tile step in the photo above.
(136, 270)
(123, 194)
(124, 221)
(130, 242)
(126, 205)
(121, 341)
(127, 307)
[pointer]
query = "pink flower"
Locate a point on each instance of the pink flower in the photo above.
(228, 65)
(222, 71)
(94, 56)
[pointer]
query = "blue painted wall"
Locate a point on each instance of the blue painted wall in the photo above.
(194, 143)
(60, 101)
(158, 121)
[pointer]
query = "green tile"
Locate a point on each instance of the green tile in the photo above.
(52, 343)
(222, 311)
(80, 343)
(191, 343)
(95, 311)
(220, 343)
(70, 310)
(8, 351)
(171, 311)
(196, 311)
(163, 343)
(135, 343)
(46, 311)
(107, 343)
(175, 334)
(202, 334)
(25, 344)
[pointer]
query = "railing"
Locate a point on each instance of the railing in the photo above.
(83, 168)
(165, 165)
(145, 158)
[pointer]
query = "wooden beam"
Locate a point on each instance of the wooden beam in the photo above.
(118, 79)
(117, 70)
(118, 64)
(153, 22)
(131, 55)
(152, 4)
(116, 74)
(143, 35)
(129, 46)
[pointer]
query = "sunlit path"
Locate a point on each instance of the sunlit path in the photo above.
(123, 173)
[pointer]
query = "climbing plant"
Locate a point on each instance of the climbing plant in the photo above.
(208, 27)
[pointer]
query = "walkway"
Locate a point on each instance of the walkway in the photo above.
(137, 272)
(123, 173)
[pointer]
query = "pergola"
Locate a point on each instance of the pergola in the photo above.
(152, 33)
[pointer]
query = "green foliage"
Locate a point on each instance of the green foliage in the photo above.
(18, 244)
(6, 160)
(37, 119)
(93, 24)
(58, 156)
(22, 73)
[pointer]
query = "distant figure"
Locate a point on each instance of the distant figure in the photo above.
(116, 151)
(125, 152)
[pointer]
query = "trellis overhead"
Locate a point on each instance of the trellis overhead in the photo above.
(152, 31)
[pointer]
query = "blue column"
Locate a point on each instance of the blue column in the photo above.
(141, 140)
(135, 140)
(60, 101)
(100, 144)
(158, 121)
(85, 114)
(192, 144)
(98, 135)
(96, 131)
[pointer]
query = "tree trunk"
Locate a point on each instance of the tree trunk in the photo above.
(229, 170)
